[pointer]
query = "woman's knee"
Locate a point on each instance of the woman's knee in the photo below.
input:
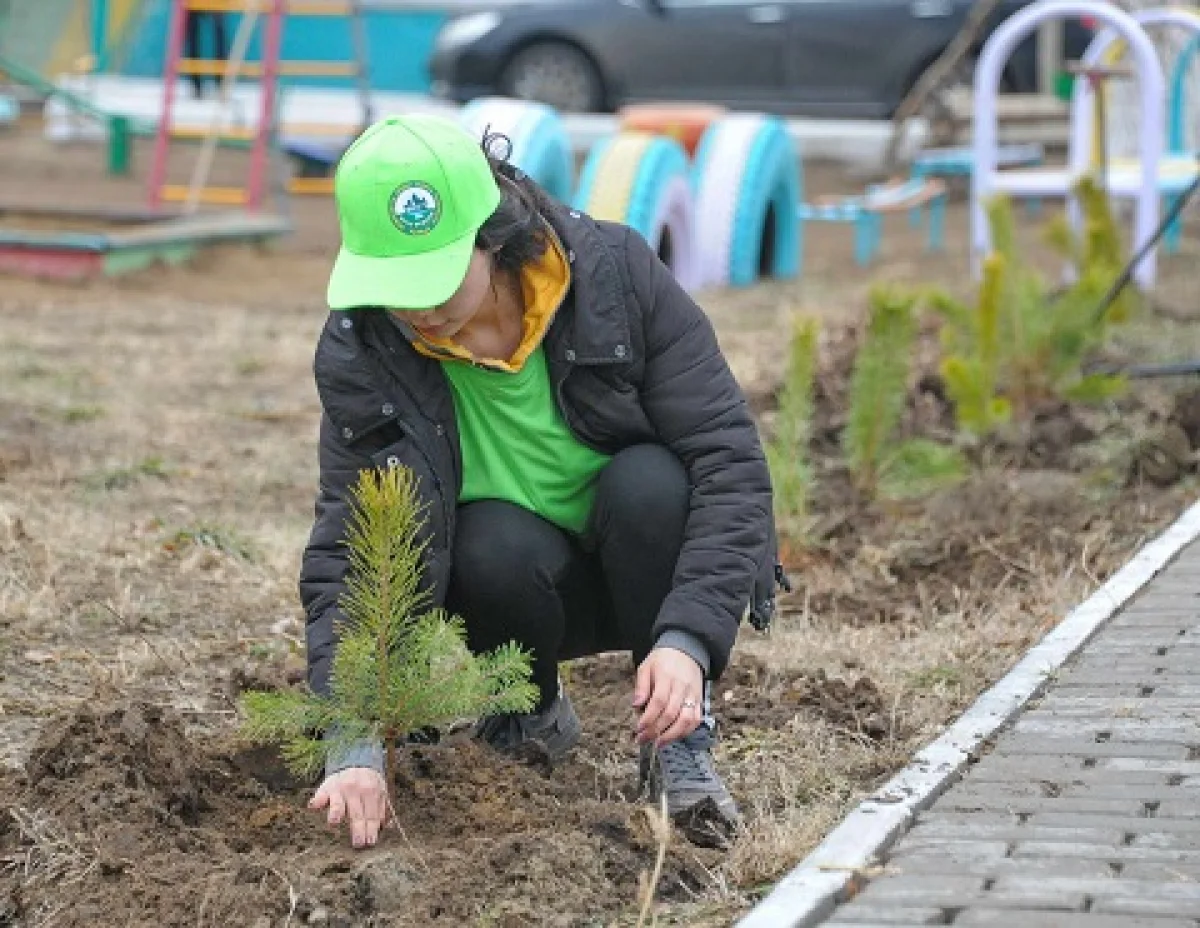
(504, 552)
(645, 485)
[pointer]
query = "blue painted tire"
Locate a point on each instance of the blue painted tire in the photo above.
(748, 183)
(10, 110)
(540, 146)
(644, 181)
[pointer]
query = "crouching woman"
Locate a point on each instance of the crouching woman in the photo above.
(592, 477)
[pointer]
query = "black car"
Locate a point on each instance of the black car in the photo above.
(844, 58)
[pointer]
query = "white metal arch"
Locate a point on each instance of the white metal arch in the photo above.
(1083, 97)
(996, 52)
(1083, 108)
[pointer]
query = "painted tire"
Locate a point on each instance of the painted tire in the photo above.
(747, 182)
(540, 146)
(644, 181)
(10, 110)
(685, 123)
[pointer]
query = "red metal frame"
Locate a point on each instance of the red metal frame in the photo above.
(162, 139)
(260, 156)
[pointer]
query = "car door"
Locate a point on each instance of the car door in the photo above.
(723, 51)
(853, 57)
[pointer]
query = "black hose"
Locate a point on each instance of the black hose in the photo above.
(1126, 274)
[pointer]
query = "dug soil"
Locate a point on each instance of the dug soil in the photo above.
(157, 476)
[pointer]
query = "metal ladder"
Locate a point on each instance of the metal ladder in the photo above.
(258, 16)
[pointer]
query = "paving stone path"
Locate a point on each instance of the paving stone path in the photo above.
(1086, 814)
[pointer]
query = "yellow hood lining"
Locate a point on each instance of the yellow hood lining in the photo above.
(544, 286)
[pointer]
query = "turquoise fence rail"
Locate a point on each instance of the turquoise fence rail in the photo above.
(399, 42)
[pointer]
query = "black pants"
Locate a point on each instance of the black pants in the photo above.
(517, 577)
(193, 47)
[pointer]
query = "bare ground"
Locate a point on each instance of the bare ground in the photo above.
(157, 473)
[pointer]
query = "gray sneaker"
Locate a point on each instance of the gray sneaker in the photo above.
(697, 799)
(542, 739)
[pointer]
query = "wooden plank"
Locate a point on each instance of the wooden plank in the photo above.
(128, 260)
(50, 263)
(311, 186)
(217, 68)
(216, 196)
(204, 228)
(113, 214)
(168, 232)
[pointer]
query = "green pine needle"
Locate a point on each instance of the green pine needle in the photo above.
(919, 467)
(399, 666)
(787, 451)
(879, 385)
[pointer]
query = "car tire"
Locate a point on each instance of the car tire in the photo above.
(540, 146)
(748, 185)
(644, 181)
(554, 73)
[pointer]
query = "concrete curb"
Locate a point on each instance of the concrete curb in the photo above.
(808, 894)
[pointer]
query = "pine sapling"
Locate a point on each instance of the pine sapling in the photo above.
(971, 363)
(878, 391)
(399, 665)
(787, 452)
(879, 385)
(1023, 345)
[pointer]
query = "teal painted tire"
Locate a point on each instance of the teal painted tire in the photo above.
(747, 180)
(644, 181)
(540, 146)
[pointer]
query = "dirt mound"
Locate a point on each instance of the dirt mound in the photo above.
(135, 759)
(150, 827)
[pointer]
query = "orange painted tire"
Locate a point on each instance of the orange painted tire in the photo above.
(685, 124)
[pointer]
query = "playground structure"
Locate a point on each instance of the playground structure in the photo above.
(1146, 181)
(1110, 141)
(718, 194)
(268, 70)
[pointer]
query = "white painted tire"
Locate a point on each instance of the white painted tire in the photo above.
(644, 181)
(540, 146)
(748, 184)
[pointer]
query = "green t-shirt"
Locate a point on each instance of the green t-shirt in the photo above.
(516, 446)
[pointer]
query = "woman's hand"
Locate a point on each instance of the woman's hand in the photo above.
(358, 793)
(669, 691)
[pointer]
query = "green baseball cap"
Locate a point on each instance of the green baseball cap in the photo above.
(411, 193)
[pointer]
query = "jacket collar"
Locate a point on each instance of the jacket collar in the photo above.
(361, 363)
(596, 329)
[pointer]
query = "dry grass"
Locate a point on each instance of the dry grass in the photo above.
(157, 473)
(52, 858)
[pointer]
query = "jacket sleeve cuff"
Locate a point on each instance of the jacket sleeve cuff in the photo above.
(359, 754)
(689, 644)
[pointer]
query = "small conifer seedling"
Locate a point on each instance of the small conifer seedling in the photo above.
(879, 385)
(881, 465)
(399, 665)
(787, 452)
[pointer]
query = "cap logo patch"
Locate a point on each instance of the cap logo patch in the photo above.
(415, 208)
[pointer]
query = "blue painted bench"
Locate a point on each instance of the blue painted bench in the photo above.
(866, 211)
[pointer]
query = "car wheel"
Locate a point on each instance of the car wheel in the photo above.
(556, 74)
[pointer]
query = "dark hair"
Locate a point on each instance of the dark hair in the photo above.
(516, 233)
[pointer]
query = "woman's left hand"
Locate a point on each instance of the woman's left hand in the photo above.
(669, 691)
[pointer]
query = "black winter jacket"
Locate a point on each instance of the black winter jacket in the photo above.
(632, 360)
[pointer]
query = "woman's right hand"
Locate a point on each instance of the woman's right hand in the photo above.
(358, 794)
